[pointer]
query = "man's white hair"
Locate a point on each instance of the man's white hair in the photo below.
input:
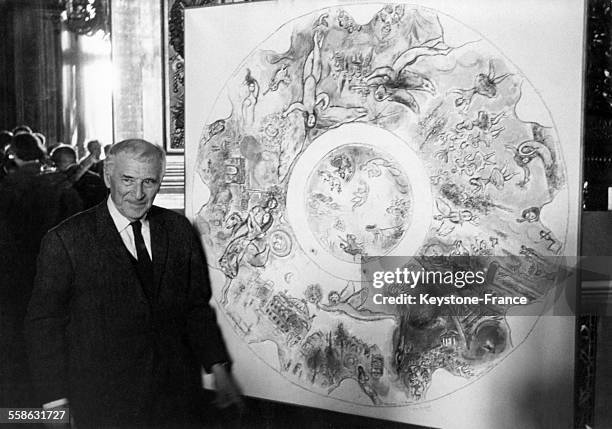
(139, 149)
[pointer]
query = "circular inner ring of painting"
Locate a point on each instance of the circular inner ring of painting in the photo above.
(351, 195)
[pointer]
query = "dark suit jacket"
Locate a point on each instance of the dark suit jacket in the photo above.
(90, 186)
(96, 339)
(31, 203)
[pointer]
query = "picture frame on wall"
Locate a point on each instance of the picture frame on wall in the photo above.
(174, 75)
(174, 69)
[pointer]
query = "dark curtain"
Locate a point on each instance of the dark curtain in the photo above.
(30, 66)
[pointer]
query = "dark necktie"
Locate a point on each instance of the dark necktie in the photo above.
(144, 264)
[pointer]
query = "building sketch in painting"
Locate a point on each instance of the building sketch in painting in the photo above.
(372, 139)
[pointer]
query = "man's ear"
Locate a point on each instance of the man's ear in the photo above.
(106, 174)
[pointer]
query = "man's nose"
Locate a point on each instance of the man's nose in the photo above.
(139, 191)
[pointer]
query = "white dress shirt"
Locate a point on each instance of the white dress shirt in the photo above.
(126, 232)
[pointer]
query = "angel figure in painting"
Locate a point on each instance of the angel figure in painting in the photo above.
(484, 84)
(311, 77)
(316, 106)
(450, 218)
(396, 82)
(352, 303)
(249, 102)
(247, 235)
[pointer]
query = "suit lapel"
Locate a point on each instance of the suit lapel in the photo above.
(115, 252)
(159, 246)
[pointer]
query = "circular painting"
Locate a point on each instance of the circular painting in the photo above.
(394, 135)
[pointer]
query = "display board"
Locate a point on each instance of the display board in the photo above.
(333, 148)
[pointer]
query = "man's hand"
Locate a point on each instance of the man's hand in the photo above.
(228, 393)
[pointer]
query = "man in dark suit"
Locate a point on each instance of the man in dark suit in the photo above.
(31, 202)
(119, 324)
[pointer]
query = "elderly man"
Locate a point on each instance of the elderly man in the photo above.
(119, 324)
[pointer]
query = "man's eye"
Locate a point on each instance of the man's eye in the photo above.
(150, 182)
(127, 180)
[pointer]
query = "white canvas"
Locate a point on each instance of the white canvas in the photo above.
(321, 134)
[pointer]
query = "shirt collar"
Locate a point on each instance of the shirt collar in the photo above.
(120, 221)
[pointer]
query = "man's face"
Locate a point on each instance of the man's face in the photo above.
(133, 184)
